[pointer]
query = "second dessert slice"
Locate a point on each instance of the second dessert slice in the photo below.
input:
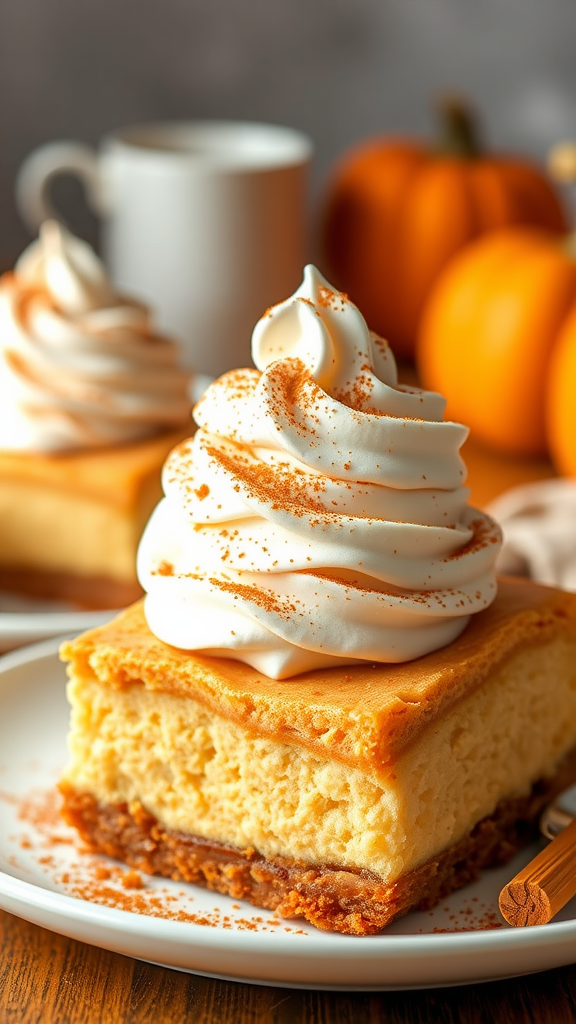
(92, 399)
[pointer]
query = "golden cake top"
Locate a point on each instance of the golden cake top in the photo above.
(364, 715)
(113, 475)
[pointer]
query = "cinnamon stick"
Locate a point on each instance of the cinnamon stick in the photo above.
(545, 885)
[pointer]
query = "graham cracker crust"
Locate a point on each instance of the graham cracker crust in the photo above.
(330, 897)
(91, 592)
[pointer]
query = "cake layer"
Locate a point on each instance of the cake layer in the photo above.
(194, 740)
(45, 528)
(329, 896)
(79, 513)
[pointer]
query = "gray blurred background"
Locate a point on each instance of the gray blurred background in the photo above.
(338, 69)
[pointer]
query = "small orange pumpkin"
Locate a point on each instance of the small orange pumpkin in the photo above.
(488, 331)
(397, 211)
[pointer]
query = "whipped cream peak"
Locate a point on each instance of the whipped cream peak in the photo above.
(67, 268)
(319, 515)
(316, 326)
(327, 333)
(80, 366)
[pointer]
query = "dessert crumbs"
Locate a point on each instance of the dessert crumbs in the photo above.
(467, 918)
(132, 880)
(92, 877)
(470, 921)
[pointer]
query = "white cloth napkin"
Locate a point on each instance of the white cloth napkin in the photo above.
(539, 524)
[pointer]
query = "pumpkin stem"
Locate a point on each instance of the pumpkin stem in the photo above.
(460, 135)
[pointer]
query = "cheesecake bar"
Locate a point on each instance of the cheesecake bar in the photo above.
(70, 522)
(346, 796)
(92, 399)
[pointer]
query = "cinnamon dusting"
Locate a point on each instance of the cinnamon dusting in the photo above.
(97, 879)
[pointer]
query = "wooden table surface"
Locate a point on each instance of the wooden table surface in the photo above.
(45, 977)
(48, 979)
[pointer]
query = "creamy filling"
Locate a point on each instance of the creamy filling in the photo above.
(80, 366)
(319, 515)
(52, 530)
(201, 774)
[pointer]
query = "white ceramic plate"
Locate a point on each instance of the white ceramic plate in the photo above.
(23, 620)
(242, 944)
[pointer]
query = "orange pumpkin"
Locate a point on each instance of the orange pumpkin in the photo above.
(397, 212)
(488, 331)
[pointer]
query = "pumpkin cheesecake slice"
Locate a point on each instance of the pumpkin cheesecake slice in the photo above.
(92, 399)
(346, 796)
(325, 705)
(70, 522)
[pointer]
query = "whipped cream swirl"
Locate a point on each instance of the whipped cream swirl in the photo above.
(80, 366)
(318, 517)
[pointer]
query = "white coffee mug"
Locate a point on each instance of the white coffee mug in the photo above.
(206, 221)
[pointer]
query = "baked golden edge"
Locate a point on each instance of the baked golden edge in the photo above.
(364, 716)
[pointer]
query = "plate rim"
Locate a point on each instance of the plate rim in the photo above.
(21, 625)
(442, 943)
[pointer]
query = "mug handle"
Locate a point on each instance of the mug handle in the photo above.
(47, 162)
